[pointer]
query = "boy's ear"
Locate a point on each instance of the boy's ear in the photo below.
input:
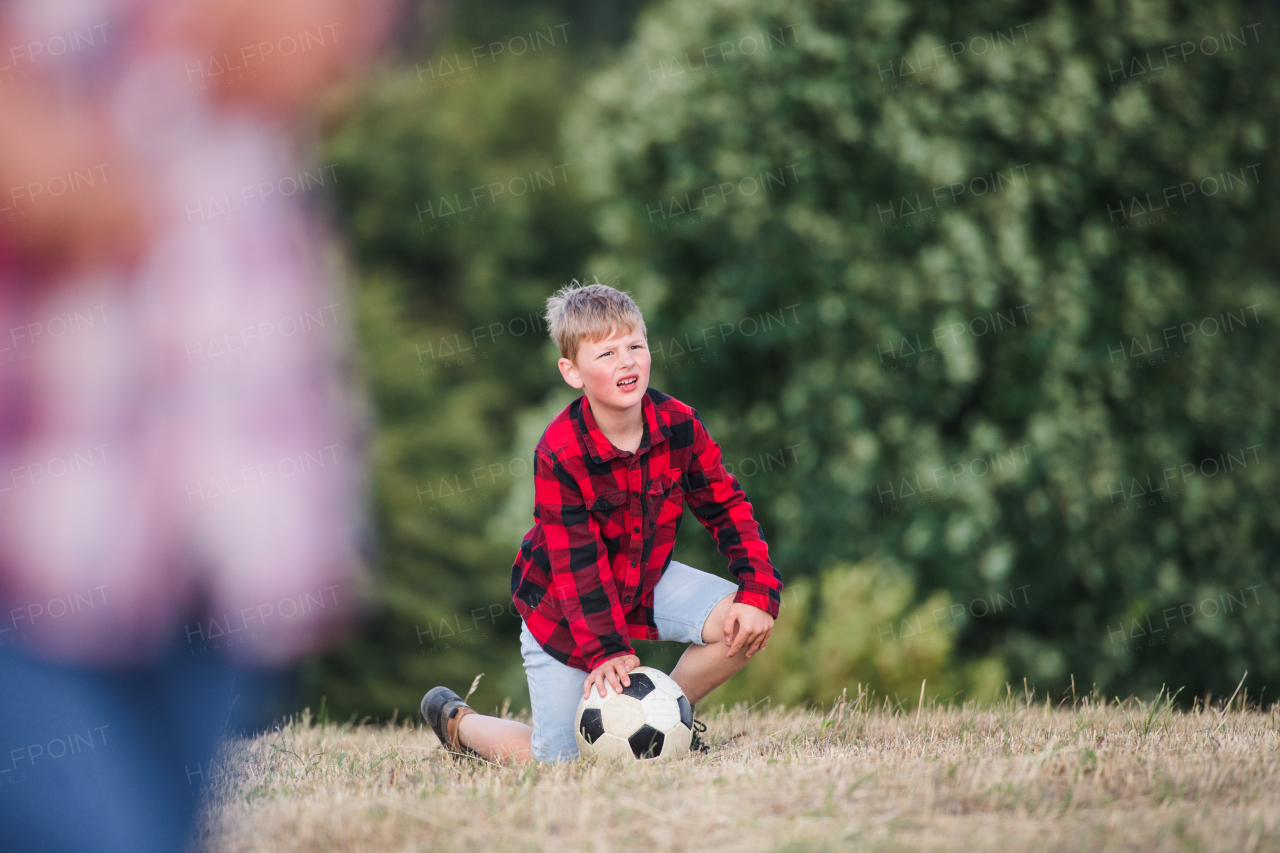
(570, 373)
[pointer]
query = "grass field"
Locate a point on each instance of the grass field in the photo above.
(1020, 775)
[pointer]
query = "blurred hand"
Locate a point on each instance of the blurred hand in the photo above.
(746, 628)
(72, 193)
(614, 671)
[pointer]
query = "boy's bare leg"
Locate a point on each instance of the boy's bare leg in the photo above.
(704, 668)
(496, 739)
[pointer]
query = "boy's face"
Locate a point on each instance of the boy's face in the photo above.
(613, 372)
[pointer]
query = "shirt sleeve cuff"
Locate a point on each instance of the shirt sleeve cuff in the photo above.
(596, 661)
(758, 600)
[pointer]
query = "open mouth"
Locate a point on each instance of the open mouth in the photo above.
(628, 383)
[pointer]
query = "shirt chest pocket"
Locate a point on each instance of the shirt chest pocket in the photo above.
(607, 509)
(665, 497)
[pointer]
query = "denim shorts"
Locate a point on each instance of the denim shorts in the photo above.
(682, 601)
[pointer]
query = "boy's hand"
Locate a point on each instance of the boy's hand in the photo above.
(746, 627)
(614, 671)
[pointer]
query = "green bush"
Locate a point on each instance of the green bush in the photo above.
(936, 326)
(861, 626)
(979, 381)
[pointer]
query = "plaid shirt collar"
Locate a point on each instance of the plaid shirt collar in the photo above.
(601, 449)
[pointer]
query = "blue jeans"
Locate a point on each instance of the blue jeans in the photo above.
(115, 761)
(682, 601)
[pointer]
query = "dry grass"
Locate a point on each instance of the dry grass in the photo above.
(1017, 776)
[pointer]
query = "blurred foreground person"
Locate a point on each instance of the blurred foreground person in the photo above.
(180, 476)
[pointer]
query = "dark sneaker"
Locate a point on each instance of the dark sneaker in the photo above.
(439, 706)
(698, 744)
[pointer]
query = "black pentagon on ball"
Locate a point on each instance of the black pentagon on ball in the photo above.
(646, 742)
(640, 686)
(686, 712)
(592, 725)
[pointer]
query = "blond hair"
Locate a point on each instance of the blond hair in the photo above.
(581, 312)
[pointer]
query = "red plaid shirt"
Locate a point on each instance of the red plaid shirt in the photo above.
(606, 523)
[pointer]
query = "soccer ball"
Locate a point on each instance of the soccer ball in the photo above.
(650, 719)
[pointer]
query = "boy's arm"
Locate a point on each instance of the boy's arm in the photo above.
(722, 507)
(581, 579)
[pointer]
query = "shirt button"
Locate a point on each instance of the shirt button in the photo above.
(635, 530)
(626, 599)
(635, 494)
(633, 564)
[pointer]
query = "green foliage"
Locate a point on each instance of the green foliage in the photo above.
(1015, 451)
(867, 628)
(934, 398)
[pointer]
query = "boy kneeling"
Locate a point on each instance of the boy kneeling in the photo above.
(612, 473)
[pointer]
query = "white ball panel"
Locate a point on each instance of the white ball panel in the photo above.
(660, 711)
(622, 716)
(677, 742)
(661, 681)
(673, 689)
(610, 746)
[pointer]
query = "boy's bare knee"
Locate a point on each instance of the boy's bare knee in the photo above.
(713, 627)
